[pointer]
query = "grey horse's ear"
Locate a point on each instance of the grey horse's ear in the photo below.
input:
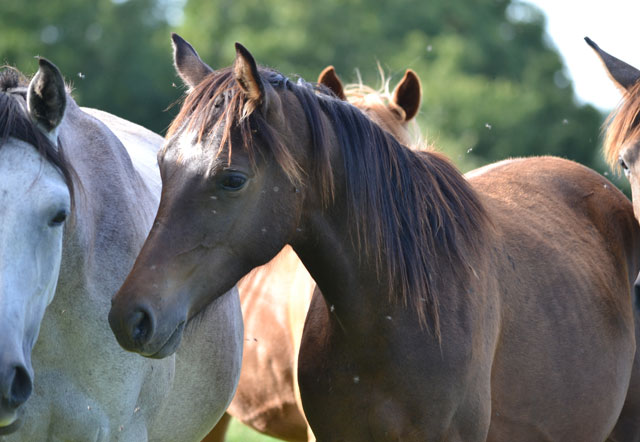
(623, 75)
(245, 71)
(330, 79)
(46, 96)
(408, 94)
(189, 65)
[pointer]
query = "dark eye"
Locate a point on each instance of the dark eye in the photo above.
(623, 164)
(233, 182)
(58, 219)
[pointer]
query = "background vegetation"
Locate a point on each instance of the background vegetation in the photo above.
(493, 87)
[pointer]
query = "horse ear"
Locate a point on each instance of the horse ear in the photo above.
(330, 79)
(622, 74)
(46, 96)
(408, 93)
(189, 65)
(246, 74)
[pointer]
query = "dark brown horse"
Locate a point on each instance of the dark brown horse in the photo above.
(622, 151)
(275, 297)
(494, 308)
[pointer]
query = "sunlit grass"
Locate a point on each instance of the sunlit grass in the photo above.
(241, 433)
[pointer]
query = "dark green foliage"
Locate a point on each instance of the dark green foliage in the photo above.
(116, 55)
(493, 87)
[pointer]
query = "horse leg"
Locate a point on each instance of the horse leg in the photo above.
(220, 430)
(627, 428)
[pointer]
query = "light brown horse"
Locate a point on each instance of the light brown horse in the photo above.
(495, 308)
(622, 151)
(275, 297)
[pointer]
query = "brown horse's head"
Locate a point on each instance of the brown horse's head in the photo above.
(253, 162)
(622, 140)
(391, 111)
(226, 176)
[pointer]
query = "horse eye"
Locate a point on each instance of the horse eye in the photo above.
(233, 182)
(624, 166)
(59, 218)
(622, 163)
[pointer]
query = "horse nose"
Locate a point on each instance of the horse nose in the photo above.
(16, 386)
(135, 330)
(141, 325)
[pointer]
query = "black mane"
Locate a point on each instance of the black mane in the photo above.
(15, 122)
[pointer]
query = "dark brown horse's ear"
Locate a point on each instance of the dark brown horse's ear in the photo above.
(330, 79)
(46, 96)
(622, 74)
(246, 74)
(408, 93)
(188, 64)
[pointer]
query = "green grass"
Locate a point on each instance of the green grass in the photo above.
(241, 433)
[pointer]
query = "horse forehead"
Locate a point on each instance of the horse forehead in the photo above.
(188, 152)
(631, 151)
(22, 167)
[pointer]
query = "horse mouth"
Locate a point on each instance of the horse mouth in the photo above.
(9, 421)
(171, 344)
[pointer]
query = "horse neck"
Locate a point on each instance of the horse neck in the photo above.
(345, 273)
(401, 224)
(113, 209)
(333, 261)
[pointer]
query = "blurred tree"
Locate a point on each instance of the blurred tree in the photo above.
(493, 86)
(115, 53)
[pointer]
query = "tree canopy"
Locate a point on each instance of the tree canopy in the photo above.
(493, 85)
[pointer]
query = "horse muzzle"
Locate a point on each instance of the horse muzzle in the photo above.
(136, 330)
(16, 385)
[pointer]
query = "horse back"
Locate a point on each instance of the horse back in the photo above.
(565, 258)
(551, 195)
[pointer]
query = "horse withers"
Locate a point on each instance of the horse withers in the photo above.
(79, 190)
(621, 150)
(490, 308)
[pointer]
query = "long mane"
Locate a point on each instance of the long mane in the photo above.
(622, 125)
(15, 122)
(413, 212)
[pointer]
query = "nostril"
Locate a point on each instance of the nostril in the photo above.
(141, 326)
(21, 387)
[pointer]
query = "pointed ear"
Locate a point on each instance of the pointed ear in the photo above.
(622, 74)
(246, 74)
(330, 79)
(408, 93)
(188, 64)
(46, 96)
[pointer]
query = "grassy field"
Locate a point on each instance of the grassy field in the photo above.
(241, 433)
